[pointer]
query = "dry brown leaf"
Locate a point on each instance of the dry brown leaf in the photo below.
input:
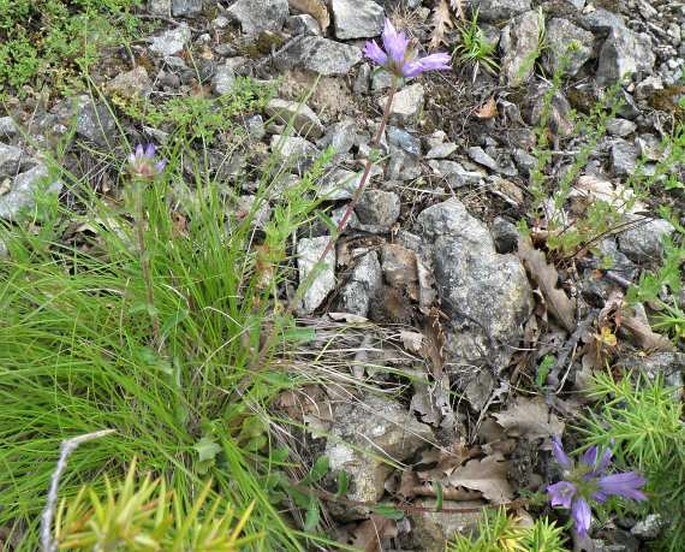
(642, 333)
(489, 476)
(488, 110)
(316, 8)
(412, 341)
(441, 21)
(530, 418)
(458, 8)
(545, 277)
(369, 534)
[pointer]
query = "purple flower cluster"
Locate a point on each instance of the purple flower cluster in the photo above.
(587, 481)
(400, 60)
(142, 163)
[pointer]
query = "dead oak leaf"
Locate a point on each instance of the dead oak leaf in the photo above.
(488, 476)
(530, 419)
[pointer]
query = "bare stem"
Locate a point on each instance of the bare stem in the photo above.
(145, 266)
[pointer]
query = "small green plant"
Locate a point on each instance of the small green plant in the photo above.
(474, 49)
(642, 421)
(137, 514)
(500, 532)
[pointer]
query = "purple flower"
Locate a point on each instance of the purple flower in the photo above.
(586, 480)
(399, 59)
(142, 163)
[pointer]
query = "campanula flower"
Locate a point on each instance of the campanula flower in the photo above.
(142, 163)
(399, 58)
(586, 480)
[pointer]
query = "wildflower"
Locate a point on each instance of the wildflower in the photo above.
(399, 59)
(586, 481)
(142, 163)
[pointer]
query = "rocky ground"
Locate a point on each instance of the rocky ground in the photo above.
(448, 312)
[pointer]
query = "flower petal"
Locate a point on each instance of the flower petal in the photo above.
(558, 450)
(435, 62)
(562, 493)
(582, 516)
(139, 151)
(374, 52)
(627, 485)
(395, 43)
(150, 151)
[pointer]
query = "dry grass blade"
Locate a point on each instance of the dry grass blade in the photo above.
(441, 22)
(545, 277)
(316, 8)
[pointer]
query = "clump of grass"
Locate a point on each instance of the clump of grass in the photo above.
(474, 49)
(78, 352)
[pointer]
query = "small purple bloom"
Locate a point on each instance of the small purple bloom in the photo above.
(399, 59)
(142, 163)
(586, 480)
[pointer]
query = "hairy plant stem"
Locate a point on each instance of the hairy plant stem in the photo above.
(145, 266)
(307, 282)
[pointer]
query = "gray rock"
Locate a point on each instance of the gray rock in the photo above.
(623, 53)
(341, 183)
(649, 528)
(519, 43)
(525, 162)
(362, 80)
(255, 127)
(669, 367)
(569, 47)
(403, 140)
(24, 189)
(441, 151)
(477, 154)
(601, 20)
(378, 208)
(367, 437)
(486, 295)
(432, 530)
(341, 136)
(302, 118)
(364, 282)
(406, 105)
(646, 87)
(159, 7)
(94, 121)
(132, 84)
(293, 148)
(8, 127)
(357, 18)
(303, 24)
(650, 147)
(621, 266)
(642, 243)
(256, 16)
(505, 234)
(171, 42)
(318, 54)
(499, 10)
(185, 8)
(623, 157)
(309, 250)
(620, 127)
(223, 81)
(455, 174)
(10, 161)
(380, 80)
(402, 165)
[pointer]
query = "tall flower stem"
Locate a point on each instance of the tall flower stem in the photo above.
(145, 265)
(340, 227)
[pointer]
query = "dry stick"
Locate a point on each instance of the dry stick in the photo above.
(145, 266)
(304, 286)
(68, 446)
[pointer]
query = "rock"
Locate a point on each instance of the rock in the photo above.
(623, 157)
(402, 165)
(223, 80)
(399, 269)
(558, 118)
(303, 24)
(404, 140)
(499, 10)
(649, 86)
(486, 295)
(363, 284)
(650, 147)
(477, 154)
(293, 148)
(378, 208)
(520, 45)
(10, 161)
(171, 42)
(505, 234)
(455, 174)
(8, 127)
(94, 121)
(669, 367)
(620, 127)
(441, 151)
(302, 118)
(620, 266)
(642, 243)
(185, 8)
(309, 250)
(159, 7)
(406, 104)
(341, 136)
(623, 53)
(23, 191)
(367, 437)
(357, 18)
(603, 21)
(256, 16)
(132, 84)
(649, 528)
(341, 183)
(318, 54)
(569, 47)
(432, 530)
